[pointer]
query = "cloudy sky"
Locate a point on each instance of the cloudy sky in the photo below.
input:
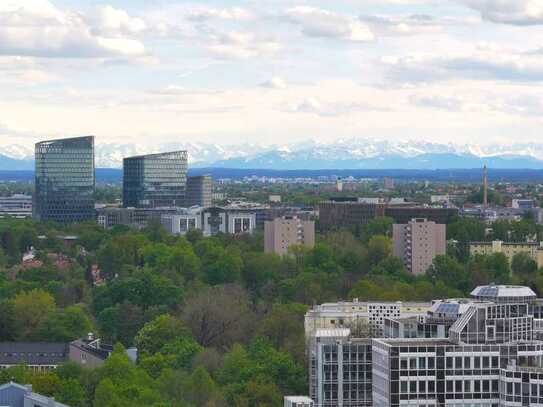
(271, 71)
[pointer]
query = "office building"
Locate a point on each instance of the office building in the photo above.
(402, 214)
(490, 356)
(388, 183)
(179, 224)
(155, 180)
(16, 206)
(418, 242)
(199, 191)
(509, 249)
(138, 218)
(16, 395)
(282, 233)
(336, 215)
(360, 316)
(64, 180)
(525, 204)
(229, 220)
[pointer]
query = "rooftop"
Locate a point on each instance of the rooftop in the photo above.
(501, 291)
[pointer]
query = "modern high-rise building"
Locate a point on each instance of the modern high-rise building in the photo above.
(281, 233)
(155, 180)
(199, 191)
(486, 352)
(418, 242)
(65, 180)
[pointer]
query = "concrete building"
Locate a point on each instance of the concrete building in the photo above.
(388, 183)
(199, 191)
(403, 214)
(16, 395)
(274, 198)
(418, 242)
(281, 233)
(298, 401)
(229, 220)
(490, 356)
(526, 204)
(509, 249)
(134, 217)
(16, 206)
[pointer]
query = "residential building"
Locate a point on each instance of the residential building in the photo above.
(155, 180)
(490, 356)
(282, 233)
(418, 242)
(509, 249)
(16, 395)
(89, 351)
(274, 198)
(199, 191)
(388, 183)
(64, 180)
(38, 356)
(298, 401)
(16, 206)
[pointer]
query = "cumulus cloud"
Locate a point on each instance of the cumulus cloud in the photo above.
(400, 25)
(238, 44)
(37, 28)
(202, 13)
(315, 106)
(517, 12)
(485, 63)
(316, 22)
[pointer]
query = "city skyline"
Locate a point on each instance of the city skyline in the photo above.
(282, 72)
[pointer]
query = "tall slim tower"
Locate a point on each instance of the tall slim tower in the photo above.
(485, 188)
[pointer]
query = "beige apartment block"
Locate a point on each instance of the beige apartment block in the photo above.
(509, 249)
(418, 242)
(282, 233)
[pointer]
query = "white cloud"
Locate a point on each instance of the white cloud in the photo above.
(201, 13)
(517, 12)
(274, 83)
(37, 28)
(315, 22)
(239, 44)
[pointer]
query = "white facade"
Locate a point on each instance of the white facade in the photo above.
(298, 401)
(179, 225)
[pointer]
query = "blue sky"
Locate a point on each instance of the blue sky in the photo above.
(267, 72)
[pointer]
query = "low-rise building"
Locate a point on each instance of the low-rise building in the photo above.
(298, 401)
(38, 356)
(16, 206)
(16, 395)
(282, 233)
(509, 249)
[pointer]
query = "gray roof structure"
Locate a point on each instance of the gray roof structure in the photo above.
(33, 353)
(502, 291)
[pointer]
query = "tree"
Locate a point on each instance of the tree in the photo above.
(451, 272)
(523, 265)
(160, 331)
(72, 393)
(379, 226)
(219, 316)
(379, 248)
(200, 388)
(66, 325)
(31, 309)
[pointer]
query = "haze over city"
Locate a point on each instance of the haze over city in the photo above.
(232, 72)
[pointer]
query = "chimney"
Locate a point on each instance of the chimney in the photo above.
(485, 188)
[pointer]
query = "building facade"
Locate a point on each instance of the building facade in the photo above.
(509, 249)
(155, 180)
(418, 242)
(38, 356)
(298, 401)
(282, 233)
(335, 215)
(64, 180)
(16, 395)
(181, 223)
(404, 214)
(491, 356)
(199, 191)
(16, 206)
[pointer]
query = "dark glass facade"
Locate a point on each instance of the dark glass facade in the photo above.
(65, 180)
(156, 180)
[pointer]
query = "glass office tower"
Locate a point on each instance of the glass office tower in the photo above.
(155, 180)
(64, 180)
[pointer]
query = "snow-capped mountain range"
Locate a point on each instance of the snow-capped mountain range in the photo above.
(360, 153)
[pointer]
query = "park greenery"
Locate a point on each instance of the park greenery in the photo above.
(217, 322)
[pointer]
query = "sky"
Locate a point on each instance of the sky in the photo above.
(270, 72)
